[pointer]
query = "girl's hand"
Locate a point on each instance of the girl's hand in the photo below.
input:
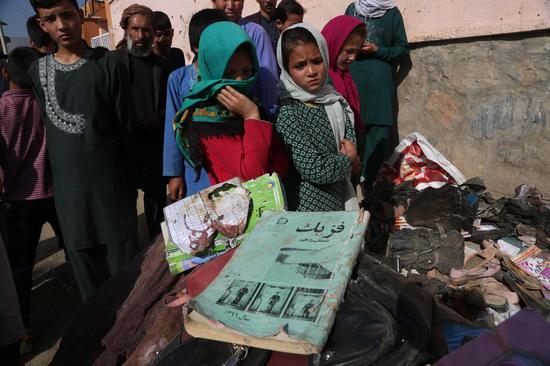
(349, 149)
(369, 48)
(238, 103)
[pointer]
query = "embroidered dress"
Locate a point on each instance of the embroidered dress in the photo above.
(313, 124)
(320, 169)
(89, 132)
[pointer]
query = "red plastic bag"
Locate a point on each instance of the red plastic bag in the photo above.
(415, 159)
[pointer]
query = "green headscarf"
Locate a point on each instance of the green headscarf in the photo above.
(218, 43)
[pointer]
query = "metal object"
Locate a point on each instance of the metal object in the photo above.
(239, 354)
(3, 42)
(398, 263)
(328, 355)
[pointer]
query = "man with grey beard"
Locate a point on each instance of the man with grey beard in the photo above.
(148, 77)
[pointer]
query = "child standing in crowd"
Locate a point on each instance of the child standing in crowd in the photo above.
(264, 17)
(180, 82)
(25, 173)
(38, 39)
(289, 12)
(219, 127)
(373, 73)
(345, 36)
(316, 124)
(164, 33)
(84, 95)
(268, 76)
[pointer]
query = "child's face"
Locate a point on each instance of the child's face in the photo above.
(350, 50)
(63, 22)
(268, 6)
(291, 19)
(163, 39)
(240, 65)
(306, 67)
(232, 8)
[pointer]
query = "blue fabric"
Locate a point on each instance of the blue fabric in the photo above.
(268, 75)
(180, 83)
(455, 333)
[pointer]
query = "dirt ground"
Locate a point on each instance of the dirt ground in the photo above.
(55, 296)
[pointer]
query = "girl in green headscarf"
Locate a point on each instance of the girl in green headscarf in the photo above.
(218, 126)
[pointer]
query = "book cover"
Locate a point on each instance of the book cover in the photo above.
(287, 278)
(536, 263)
(265, 193)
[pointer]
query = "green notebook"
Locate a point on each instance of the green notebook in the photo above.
(287, 278)
(266, 193)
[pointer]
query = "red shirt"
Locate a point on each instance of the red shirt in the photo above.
(256, 152)
(24, 166)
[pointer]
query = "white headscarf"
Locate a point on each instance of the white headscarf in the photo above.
(335, 105)
(373, 8)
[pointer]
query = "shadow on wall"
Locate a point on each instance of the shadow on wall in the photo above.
(401, 70)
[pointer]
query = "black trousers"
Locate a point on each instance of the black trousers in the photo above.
(150, 178)
(153, 185)
(154, 201)
(93, 266)
(24, 225)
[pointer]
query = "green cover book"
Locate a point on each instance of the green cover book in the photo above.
(287, 277)
(265, 193)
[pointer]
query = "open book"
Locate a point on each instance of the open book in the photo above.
(283, 286)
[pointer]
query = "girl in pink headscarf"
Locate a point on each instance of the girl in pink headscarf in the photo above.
(345, 36)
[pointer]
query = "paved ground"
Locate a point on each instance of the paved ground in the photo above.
(55, 296)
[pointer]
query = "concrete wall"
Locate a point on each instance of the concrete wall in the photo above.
(485, 104)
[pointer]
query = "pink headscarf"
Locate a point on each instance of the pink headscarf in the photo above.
(336, 31)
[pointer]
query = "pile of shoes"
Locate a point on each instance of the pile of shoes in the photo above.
(491, 256)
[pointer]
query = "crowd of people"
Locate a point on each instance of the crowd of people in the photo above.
(83, 128)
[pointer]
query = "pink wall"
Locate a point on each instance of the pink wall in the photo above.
(448, 19)
(424, 19)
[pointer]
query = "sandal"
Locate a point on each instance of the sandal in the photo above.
(478, 265)
(495, 294)
(476, 295)
(493, 287)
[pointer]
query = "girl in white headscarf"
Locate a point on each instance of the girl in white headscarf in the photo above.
(316, 125)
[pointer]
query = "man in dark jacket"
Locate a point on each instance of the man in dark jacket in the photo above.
(148, 78)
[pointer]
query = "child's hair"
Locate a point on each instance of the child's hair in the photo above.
(287, 7)
(162, 21)
(36, 34)
(19, 61)
(48, 4)
(291, 38)
(200, 21)
(360, 30)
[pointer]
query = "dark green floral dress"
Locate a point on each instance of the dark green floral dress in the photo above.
(320, 167)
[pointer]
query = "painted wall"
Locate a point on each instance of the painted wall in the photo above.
(424, 19)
